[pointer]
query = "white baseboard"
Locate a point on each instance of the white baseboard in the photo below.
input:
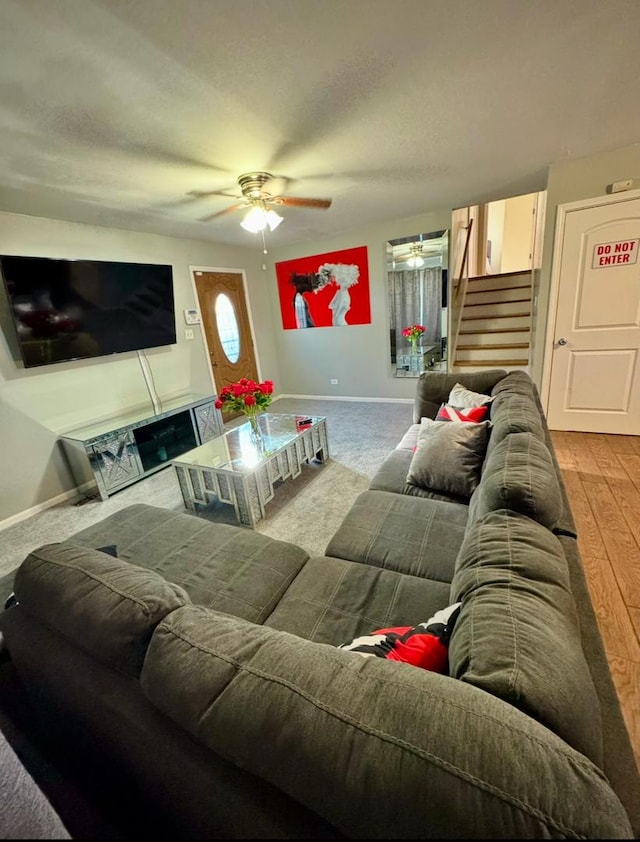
(53, 501)
(344, 398)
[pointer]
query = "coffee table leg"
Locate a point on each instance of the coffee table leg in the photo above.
(185, 488)
(249, 508)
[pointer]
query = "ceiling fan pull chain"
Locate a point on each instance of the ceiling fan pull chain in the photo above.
(264, 245)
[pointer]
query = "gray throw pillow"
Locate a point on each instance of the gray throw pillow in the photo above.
(449, 456)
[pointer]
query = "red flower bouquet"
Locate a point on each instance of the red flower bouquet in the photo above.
(245, 396)
(413, 334)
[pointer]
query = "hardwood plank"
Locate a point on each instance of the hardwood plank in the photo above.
(634, 613)
(632, 466)
(589, 538)
(626, 678)
(616, 626)
(562, 450)
(586, 463)
(626, 493)
(607, 460)
(622, 550)
(621, 444)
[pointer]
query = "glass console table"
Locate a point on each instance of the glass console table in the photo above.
(241, 468)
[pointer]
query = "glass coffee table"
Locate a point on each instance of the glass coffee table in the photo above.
(242, 467)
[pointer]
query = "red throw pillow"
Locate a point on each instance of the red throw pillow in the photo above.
(454, 413)
(425, 645)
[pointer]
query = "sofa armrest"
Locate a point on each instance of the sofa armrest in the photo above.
(380, 749)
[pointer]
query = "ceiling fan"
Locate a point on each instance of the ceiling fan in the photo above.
(260, 192)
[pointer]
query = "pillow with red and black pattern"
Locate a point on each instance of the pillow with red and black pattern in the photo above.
(473, 414)
(425, 645)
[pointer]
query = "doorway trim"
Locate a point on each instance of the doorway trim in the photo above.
(554, 286)
(245, 289)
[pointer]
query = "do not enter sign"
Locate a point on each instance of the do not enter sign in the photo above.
(622, 253)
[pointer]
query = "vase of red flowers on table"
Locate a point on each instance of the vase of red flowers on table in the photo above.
(414, 334)
(246, 396)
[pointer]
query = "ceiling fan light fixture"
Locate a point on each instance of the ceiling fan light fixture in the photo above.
(415, 260)
(258, 219)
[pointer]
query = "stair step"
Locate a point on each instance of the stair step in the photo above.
(496, 330)
(505, 338)
(503, 308)
(482, 324)
(492, 363)
(497, 289)
(500, 345)
(485, 282)
(478, 354)
(498, 296)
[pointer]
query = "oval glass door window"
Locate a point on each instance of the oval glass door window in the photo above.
(227, 325)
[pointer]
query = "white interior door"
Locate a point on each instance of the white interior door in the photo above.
(592, 354)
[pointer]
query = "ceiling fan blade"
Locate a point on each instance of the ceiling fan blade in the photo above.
(224, 212)
(297, 202)
(275, 186)
(204, 194)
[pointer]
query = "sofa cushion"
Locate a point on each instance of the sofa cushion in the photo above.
(449, 456)
(519, 474)
(517, 635)
(227, 567)
(333, 600)
(391, 476)
(105, 606)
(407, 534)
(338, 733)
(516, 383)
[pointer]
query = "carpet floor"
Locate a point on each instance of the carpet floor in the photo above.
(305, 511)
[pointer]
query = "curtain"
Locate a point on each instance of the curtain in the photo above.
(415, 297)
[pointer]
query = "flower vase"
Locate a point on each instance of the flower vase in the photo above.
(255, 434)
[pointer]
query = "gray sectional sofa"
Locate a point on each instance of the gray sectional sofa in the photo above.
(202, 664)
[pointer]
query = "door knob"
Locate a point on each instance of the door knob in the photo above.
(562, 341)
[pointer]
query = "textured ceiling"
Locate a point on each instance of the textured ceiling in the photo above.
(113, 111)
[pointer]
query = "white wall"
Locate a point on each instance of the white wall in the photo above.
(38, 404)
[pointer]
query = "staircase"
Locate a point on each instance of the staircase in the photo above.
(495, 323)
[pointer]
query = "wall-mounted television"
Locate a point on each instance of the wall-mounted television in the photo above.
(73, 309)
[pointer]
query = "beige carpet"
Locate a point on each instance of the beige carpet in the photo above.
(305, 511)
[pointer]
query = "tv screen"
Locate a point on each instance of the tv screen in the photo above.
(73, 309)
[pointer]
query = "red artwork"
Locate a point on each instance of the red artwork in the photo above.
(325, 290)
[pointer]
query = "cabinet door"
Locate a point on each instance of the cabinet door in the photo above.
(208, 421)
(115, 461)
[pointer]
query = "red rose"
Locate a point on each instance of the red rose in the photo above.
(218, 404)
(249, 400)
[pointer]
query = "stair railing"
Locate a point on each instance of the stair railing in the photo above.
(459, 295)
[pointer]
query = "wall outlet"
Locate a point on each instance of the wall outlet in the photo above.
(618, 186)
(189, 334)
(334, 382)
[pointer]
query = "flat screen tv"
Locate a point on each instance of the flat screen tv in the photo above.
(73, 309)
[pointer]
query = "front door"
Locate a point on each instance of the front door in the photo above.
(592, 359)
(225, 319)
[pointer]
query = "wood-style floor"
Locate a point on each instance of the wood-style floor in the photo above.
(602, 476)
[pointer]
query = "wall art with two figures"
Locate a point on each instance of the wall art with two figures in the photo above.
(325, 290)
